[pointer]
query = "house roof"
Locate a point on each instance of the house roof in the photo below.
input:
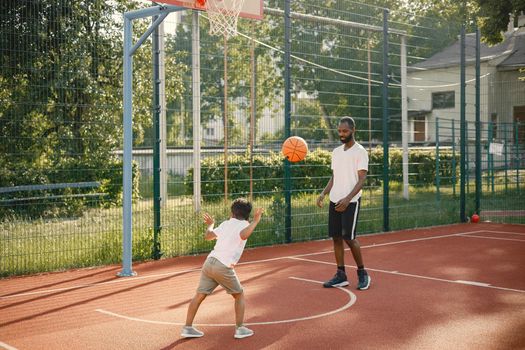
(513, 47)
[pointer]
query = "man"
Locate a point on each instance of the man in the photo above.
(349, 169)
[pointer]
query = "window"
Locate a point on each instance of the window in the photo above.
(444, 99)
(210, 132)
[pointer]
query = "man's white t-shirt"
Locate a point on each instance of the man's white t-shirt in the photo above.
(345, 165)
(229, 246)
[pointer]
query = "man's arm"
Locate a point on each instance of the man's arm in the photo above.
(326, 190)
(248, 230)
(343, 203)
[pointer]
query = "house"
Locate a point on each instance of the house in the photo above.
(433, 89)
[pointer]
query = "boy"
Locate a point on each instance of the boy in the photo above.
(231, 236)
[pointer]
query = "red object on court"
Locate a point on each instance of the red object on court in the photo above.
(294, 148)
(200, 3)
(474, 218)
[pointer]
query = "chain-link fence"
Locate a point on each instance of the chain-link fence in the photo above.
(61, 127)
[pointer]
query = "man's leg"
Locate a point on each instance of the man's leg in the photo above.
(355, 247)
(362, 274)
(339, 279)
(339, 251)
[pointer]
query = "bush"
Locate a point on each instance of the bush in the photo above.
(67, 201)
(421, 166)
(314, 172)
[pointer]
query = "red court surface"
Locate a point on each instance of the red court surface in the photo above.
(448, 287)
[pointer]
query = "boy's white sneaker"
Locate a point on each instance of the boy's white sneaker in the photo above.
(242, 332)
(191, 332)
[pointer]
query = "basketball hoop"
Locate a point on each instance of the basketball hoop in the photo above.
(222, 14)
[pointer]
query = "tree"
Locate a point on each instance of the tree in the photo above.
(239, 76)
(494, 17)
(61, 90)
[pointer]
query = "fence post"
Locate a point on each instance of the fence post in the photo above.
(386, 214)
(437, 160)
(491, 159)
(155, 47)
(454, 165)
(506, 156)
(478, 125)
(517, 161)
(462, 126)
(287, 119)
(467, 162)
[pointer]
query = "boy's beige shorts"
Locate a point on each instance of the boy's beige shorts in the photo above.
(215, 273)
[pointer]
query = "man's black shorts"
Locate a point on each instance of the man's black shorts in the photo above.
(343, 223)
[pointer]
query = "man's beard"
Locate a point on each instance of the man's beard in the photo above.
(347, 139)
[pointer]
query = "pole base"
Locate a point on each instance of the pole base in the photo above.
(124, 273)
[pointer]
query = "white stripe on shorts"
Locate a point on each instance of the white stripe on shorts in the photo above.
(356, 212)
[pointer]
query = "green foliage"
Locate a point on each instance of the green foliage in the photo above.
(494, 17)
(238, 71)
(313, 173)
(67, 201)
(421, 166)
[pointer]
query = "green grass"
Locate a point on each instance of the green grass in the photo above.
(95, 238)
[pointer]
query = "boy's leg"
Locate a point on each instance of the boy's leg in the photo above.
(188, 331)
(193, 307)
(240, 330)
(239, 308)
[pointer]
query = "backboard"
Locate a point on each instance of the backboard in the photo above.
(251, 8)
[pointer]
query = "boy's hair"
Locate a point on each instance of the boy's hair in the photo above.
(348, 120)
(241, 208)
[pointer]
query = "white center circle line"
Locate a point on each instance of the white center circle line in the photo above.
(350, 302)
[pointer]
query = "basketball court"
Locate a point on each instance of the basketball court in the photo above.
(456, 286)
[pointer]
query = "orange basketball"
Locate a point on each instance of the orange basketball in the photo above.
(294, 148)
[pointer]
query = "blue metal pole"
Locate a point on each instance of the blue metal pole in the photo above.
(127, 227)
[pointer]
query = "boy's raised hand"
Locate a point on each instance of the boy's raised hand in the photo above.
(208, 219)
(257, 215)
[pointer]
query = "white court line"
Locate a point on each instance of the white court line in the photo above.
(138, 278)
(412, 240)
(473, 283)
(350, 302)
(121, 280)
(6, 346)
(496, 238)
(510, 233)
(478, 284)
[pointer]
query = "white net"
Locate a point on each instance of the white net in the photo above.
(223, 16)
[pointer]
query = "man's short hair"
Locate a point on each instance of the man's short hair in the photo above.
(348, 120)
(241, 208)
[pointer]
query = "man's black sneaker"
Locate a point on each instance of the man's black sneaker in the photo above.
(364, 279)
(339, 280)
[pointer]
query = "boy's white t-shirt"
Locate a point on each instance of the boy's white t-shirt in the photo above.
(345, 165)
(229, 246)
